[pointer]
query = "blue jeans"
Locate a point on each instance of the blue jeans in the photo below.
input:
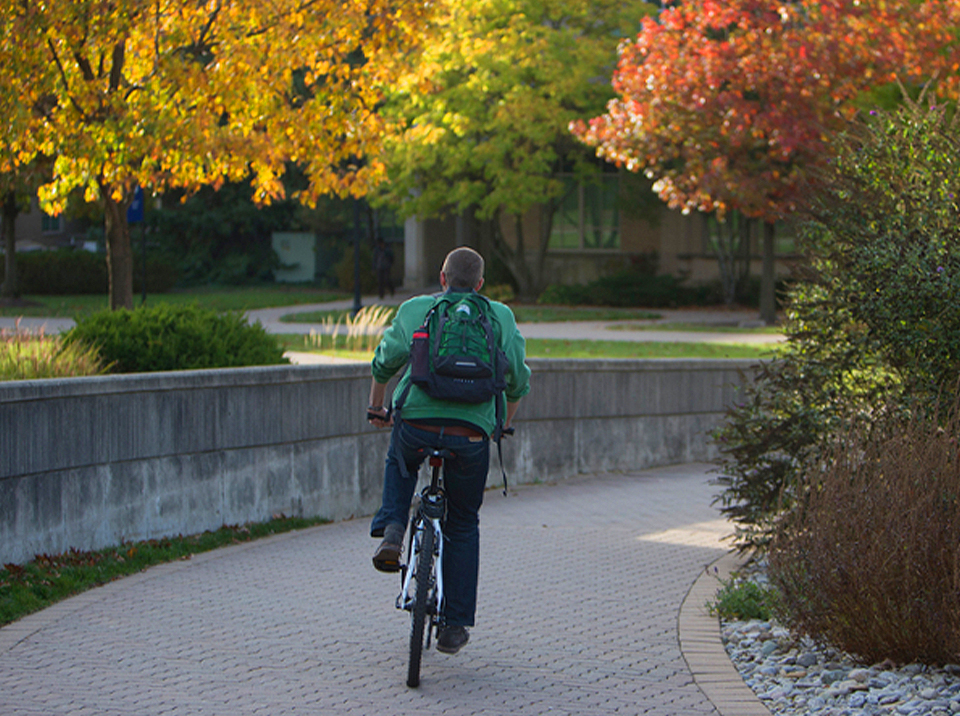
(465, 478)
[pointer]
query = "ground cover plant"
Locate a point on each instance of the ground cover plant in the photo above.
(47, 579)
(742, 599)
(28, 355)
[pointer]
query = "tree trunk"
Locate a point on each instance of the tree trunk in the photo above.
(11, 286)
(768, 298)
(513, 258)
(725, 247)
(743, 279)
(119, 252)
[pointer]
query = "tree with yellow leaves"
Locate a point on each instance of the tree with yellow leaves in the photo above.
(178, 93)
(486, 112)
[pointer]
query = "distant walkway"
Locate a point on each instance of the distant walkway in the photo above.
(568, 330)
(581, 587)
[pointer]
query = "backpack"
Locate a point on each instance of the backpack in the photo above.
(454, 354)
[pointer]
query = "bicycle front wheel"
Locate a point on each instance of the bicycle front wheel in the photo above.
(424, 577)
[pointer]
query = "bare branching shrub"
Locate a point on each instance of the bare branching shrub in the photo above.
(869, 561)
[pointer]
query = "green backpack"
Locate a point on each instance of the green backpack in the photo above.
(454, 355)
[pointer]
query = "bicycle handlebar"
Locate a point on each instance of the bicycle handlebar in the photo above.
(371, 415)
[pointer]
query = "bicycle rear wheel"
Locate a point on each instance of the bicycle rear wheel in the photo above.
(418, 620)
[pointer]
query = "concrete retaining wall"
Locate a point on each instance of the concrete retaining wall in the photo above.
(91, 462)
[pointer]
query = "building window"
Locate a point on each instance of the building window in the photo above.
(49, 224)
(785, 238)
(589, 214)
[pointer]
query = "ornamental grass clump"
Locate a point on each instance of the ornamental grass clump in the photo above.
(29, 355)
(868, 560)
(361, 332)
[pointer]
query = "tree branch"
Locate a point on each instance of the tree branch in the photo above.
(63, 77)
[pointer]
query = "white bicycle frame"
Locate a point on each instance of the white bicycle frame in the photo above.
(405, 596)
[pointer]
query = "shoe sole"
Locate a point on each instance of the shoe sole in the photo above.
(387, 560)
(452, 650)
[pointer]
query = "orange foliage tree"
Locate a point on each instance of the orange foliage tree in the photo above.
(728, 104)
(178, 93)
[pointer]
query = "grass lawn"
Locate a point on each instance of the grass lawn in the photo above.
(221, 298)
(524, 313)
(49, 578)
(554, 348)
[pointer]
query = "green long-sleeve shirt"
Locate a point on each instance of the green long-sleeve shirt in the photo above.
(394, 351)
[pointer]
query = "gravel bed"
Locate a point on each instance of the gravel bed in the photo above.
(796, 676)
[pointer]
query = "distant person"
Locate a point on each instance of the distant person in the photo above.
(383, 265)
(465, 428)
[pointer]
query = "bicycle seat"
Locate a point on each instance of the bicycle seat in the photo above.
(437, 452)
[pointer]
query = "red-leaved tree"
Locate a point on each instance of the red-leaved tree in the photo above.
(728, 104)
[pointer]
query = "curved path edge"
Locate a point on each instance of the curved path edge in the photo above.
(702, 647)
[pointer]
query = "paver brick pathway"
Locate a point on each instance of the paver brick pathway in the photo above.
(581, 586)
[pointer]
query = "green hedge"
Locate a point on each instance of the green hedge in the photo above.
(69, 271)
(168, 337)
(631, 288)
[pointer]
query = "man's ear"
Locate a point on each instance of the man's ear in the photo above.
(479, 285)
(443, 280)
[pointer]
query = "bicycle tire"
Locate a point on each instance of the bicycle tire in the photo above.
(418, 619)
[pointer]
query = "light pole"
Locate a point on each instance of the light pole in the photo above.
(356, 257)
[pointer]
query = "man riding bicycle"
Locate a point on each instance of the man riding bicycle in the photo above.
(463, 428)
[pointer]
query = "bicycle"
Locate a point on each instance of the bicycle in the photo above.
(421, 591)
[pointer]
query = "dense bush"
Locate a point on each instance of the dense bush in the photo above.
(68, 271)
(887, 236)
(869, 561)
(877, 319)
(631, 288)
(221, 235)
(792, 406)
(168, 337)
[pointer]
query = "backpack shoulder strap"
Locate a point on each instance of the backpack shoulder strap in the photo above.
(398, 403)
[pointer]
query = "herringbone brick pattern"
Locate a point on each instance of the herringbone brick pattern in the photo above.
(581, 585)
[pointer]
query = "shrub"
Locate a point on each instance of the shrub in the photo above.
(502, 292)
(68, 271)
(168, 337)
(876, 319)
(345, 270)
(63, 271)
(791, 407)
(631, 288)
(25, 355)
(886, 232)
(869, 561)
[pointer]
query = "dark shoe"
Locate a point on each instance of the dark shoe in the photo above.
(452, 639)
(387, 556)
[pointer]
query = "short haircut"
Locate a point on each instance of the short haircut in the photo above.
(463, 268)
